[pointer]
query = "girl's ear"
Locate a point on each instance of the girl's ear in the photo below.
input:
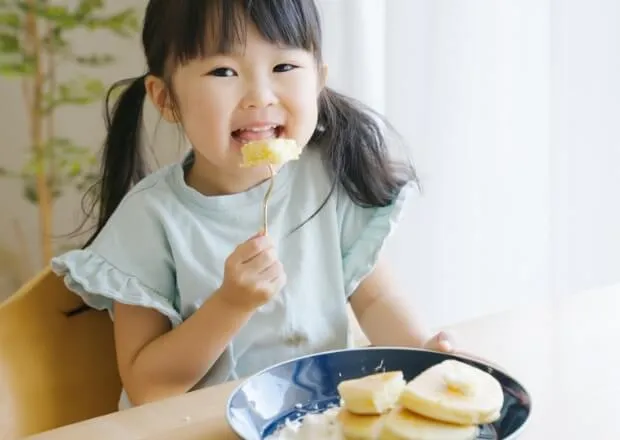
(159, 95)
(323, 71)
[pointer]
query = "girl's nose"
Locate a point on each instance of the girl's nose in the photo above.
(259, 96)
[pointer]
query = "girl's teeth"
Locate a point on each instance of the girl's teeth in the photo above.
(259, 129)
(255, 134)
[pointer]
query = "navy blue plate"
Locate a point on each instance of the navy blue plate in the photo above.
(287, 391)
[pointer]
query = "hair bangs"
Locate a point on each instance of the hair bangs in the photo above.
(287, 23)
(214, 27)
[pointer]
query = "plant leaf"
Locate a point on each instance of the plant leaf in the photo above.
(64, 164)
(10, 20)
(71, 163)
(123, 23)
(60, 15)
(95, 60)
(80, 91)
(87, 7)
(9, 44)
(5, 172)
(54, 40)
(17, 69)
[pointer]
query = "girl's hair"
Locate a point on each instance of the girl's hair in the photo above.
(351, 136)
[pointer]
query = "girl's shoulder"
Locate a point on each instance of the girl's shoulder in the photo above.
(155, 187)
(312, 173)
(129, 261)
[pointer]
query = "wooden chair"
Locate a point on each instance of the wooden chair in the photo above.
(55, 369)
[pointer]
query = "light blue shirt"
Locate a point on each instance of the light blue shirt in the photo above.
(166, 244)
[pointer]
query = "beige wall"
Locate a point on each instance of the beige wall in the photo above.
(85, 125)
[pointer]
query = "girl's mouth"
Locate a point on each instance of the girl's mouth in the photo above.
(245, 135)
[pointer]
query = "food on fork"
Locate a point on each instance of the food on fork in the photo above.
(454, 392)
(372, 395)
(401, 424)
(269, 152)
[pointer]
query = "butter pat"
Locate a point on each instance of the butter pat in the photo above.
(458, 377)
(269, 152)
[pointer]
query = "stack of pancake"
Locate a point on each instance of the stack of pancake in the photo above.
(445, 402)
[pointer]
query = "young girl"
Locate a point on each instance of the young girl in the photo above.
(198, 294)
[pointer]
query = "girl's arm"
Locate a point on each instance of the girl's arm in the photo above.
(156, 362)
(386, 316)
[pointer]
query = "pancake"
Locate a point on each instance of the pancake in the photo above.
(402, 424)
(372, 395)
(358, 427)
(454, 392)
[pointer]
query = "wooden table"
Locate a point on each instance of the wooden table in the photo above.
(565, 352)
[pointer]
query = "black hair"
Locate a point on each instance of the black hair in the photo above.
(352, 137)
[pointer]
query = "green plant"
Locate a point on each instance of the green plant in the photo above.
(35, 39)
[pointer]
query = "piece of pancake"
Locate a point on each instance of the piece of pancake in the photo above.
(269, 152)
(454, 392)
(402, 424)
(372, 395)
(358, 427)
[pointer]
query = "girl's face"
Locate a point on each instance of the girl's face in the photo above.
(259, 91)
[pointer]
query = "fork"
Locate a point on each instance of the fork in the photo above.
(266, 198)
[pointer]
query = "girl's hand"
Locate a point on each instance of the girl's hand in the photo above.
(443, 342)
(252, 274)
(440, 342)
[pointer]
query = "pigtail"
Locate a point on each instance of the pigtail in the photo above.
(353, 139)
(123, 163)
(355, 144)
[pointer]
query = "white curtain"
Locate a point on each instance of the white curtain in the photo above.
(512, 110)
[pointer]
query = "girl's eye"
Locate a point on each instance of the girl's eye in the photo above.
(284, 68)
(223, 72)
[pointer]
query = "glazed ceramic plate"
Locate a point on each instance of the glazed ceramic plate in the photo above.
(288, 391)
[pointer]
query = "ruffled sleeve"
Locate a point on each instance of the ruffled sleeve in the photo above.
(130, 262)
(363, 233)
